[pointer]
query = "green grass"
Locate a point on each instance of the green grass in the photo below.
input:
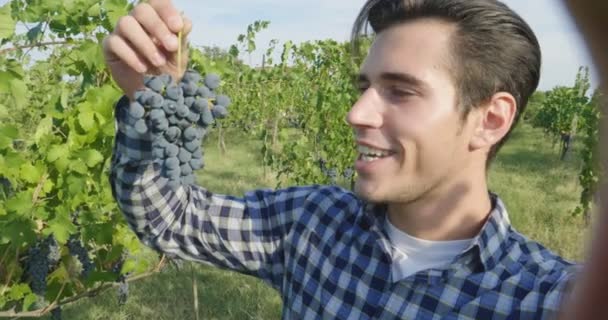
(539, 190)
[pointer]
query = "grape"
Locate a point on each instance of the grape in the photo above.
(189, 88)
(160, 125)
(140, 126)
(169, 107)
(192, 146)
(222, 100)
(189, 101)
(160, 142)
(182, 111)
(174, 92)
(155, 101)
(196, 164)
(172, 133)
(206, 117)
(212, 81)
(123, 292)
(193, 117)
(166, 79)
(197, 154)
(189, 179)
(171, 151)
(174, 173)
(203, 92)
(184, 123)
(143, 96)
(185, 169)
(184, 155)
(173, 120)
(199, 104)
(157, 114)
(78, 250)
(219, 112)
(190, 76)
(136, 110)
(154, 83)
(172, 163)
(190, 133)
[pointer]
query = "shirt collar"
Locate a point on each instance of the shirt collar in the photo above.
(489, 245)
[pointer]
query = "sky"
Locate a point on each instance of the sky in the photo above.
(220, 22)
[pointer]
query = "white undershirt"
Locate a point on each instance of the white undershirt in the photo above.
(411, 254)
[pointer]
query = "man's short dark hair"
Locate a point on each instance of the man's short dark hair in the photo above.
(494, 49)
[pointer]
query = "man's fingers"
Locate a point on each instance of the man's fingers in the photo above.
(116, 48)
(169, 14)
(187, 27)
(155, 26)
(130, 30)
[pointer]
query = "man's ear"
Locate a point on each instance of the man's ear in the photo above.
(494, 120)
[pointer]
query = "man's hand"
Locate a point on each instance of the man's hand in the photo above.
(146, 41)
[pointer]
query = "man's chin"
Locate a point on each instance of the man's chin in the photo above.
(368, 194)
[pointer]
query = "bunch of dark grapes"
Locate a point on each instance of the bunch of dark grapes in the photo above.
(43, 257)
(79, 251)
(36, 269)
(176, 116)
(6, 187)
(123, 292)
(56, 313)
(331, 173)
(116, 269)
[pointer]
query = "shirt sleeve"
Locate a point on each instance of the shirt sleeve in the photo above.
(245, 234)
(550, 294)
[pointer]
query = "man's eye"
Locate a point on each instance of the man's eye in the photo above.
(400, 93)
(362, 88)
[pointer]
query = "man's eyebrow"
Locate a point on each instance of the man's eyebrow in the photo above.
(404, 78)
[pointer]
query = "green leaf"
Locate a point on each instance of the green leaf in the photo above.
(3, 111)
(19, 291)
(86, 120)
(30, 173)
(129, 266)
(20, 203)
(91, 157)
(7, 24)
(29, 300)
(17, 231)
(61, 227)
(57, 152)
(19, 92)
(45, 127)
(7, 134)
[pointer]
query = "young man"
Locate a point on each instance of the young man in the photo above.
(421, 237)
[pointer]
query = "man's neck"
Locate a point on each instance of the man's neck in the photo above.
(457, 212)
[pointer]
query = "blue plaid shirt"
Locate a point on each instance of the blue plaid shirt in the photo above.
(326, 252)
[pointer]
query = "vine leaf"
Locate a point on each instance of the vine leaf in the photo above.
(20, 203)
(61, 227)
(7, 24)
(91, 157)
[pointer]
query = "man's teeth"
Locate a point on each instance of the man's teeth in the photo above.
(370, 154)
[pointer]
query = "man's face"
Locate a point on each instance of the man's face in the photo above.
(407, 114)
